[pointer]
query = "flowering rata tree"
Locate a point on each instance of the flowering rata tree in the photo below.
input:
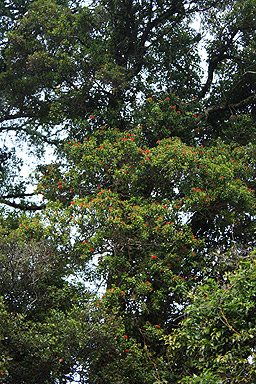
(140, 267)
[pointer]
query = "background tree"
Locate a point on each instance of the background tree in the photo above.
(151, 197)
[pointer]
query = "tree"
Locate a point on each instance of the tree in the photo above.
(128, 203)
(12, 121)
(217, 336)
(152, 195)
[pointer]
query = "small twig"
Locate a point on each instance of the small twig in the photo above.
(245, 277)
(148, 355)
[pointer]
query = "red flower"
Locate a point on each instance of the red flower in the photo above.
(92, 117)
(127, 350)
(92, 250)
(60, 186)
(147, 282)
(158, 326)
(153, 257)
(125, 337)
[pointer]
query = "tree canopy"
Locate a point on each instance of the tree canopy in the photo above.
(130, 258)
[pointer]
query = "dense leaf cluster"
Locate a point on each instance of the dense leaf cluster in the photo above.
(139, 266)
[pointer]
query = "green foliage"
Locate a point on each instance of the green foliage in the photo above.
(139, 266)
(9, 168)
(154, 223)
(218, 331)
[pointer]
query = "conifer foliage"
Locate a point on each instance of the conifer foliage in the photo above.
(133, 259)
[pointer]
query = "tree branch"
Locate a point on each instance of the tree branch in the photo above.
(23, 207)
(216, 59)
(222, 107)
(17, 195)
(242, 79)
(161, 18)
(23, 128)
